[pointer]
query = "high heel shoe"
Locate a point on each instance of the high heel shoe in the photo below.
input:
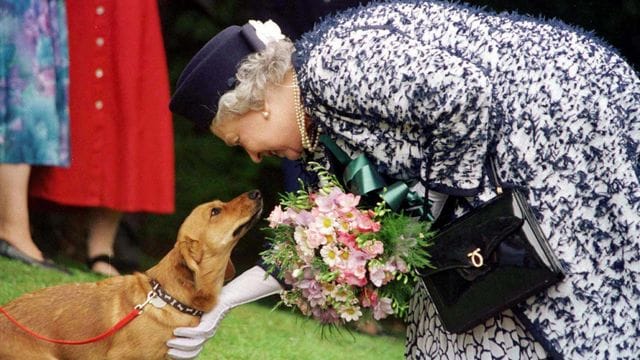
(9, 251)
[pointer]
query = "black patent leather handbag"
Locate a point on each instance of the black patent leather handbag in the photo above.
(488, 260)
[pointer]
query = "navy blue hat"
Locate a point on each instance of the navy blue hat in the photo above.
(211, 72)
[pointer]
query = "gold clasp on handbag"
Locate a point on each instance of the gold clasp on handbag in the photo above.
(476, 258)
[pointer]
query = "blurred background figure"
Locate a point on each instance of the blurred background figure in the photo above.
(34, 119)
(121, 129)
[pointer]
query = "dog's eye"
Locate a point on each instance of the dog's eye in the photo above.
(215, 211)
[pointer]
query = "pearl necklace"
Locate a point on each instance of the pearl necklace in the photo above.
(300, 118)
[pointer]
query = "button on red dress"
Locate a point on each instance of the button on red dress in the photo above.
(122, 154)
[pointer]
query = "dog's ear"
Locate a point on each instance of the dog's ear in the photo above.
(230, 272)
(191, 251)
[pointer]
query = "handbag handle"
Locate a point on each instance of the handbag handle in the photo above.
(493, 172)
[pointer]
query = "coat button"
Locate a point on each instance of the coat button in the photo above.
(99, 73)
(99, 104)
(100, 10)
(100, 41)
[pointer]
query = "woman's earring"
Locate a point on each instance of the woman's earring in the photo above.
(265, 114)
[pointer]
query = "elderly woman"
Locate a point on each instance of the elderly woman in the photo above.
(429, 90)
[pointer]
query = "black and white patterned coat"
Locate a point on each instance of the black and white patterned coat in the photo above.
(430, 85)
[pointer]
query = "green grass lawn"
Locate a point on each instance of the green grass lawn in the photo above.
(251, 331)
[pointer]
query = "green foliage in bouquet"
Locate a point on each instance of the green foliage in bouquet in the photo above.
(410, 237)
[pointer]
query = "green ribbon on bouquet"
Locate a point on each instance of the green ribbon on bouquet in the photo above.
(362, 178)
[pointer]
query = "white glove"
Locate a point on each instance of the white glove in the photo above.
(249, 286)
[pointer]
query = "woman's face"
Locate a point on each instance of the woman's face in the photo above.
(260, 136)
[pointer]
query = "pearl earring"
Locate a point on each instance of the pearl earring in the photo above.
(265, 114)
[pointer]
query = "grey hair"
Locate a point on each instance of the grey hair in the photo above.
(254, 74)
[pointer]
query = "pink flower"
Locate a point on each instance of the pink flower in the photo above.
(350, 219)
(390, 267)
(350, 278)
(353, 268)
(327, 203)
(401, 265)
(308, 273)
(276, 217)
(347, 239)
(312, 291)
(326, 316)
(375, 227)
(382, 309)
(347, 202)
(287, 217)
(369, 297)
(389, 272)
(376, 274)
(316, 239)
(308, 240)
(364, 223)
(302, 218)
(316, 299)
(374, 248)
(356, 264)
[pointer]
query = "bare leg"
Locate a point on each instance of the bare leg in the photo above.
(103, 226)
(14, 210)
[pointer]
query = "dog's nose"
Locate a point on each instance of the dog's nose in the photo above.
(254, 194)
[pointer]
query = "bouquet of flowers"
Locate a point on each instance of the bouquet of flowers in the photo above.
(343, 261)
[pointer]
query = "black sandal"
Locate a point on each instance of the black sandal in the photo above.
(11, 252)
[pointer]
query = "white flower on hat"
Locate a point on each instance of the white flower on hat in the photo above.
(267, 32)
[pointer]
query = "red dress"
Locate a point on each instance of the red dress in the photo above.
(122, 154)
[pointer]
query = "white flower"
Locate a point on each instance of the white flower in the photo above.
(328, 288)
(325, 224)
(329, 255)
(341, 293)
(267, 32)
(350, 313)
(300, 235)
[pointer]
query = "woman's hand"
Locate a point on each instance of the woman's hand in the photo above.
(251, 285)
(189, 342)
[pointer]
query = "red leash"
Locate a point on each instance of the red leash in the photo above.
(137, 310)
(132, 315)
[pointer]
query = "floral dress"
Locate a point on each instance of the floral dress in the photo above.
(429, 89)
(34, 77)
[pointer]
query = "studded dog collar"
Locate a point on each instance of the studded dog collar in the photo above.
(162, 294)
